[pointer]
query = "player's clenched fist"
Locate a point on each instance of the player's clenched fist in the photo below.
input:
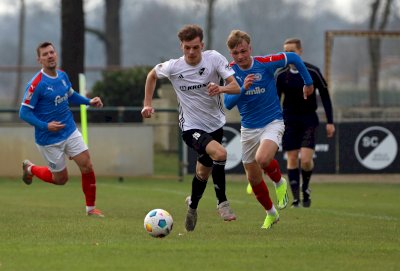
(147, 111)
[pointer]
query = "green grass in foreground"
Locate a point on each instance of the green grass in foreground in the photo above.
(348, 227)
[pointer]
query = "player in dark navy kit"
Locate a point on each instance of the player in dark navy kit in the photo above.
(262, 123)
(301, 122)
(46, 107)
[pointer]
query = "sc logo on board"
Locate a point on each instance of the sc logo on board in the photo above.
(376, 148)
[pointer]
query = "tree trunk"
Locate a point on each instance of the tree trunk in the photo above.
(113, 36)
(72, 39)
(20, 56)
(374, 49)
(210, 23)
(375, 59)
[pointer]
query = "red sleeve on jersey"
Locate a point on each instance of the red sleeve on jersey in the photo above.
(32, 88)
(270, 58)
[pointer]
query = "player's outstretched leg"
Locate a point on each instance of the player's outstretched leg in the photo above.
(89, 190)
(274, 172)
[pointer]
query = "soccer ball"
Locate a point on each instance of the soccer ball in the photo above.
(158, 223)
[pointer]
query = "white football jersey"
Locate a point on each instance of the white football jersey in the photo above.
(197, 110)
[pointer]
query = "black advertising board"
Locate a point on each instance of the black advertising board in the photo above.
(369, 147)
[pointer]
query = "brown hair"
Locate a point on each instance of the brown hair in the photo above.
(295, 41)
(236, 37)
(43, 45)
(190, 32)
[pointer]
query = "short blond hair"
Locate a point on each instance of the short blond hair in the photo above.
(236, 37)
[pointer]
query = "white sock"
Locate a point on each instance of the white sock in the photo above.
(30, 169)
(272, 211)
(89, 208)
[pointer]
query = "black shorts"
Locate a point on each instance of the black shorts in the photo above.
(198, 140)
(300, 132)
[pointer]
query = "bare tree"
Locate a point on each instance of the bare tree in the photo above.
(20, 56)
(374, 48)
(210, 23)
(72, 39)
(112, 34)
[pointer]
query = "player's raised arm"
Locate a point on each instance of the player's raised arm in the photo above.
(150, 86)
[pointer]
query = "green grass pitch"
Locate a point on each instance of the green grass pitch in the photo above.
(348, 227)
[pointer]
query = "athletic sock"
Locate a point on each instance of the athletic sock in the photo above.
(90, 208)
(43, 173)
(294, 180)
(198, 187)
(89, 188)
(262, 194)
(272, 211)
(273, 171)
(306, 175)
(218, 175)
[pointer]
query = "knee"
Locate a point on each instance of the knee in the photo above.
(220, 155)
(292, 162)
(263, 161)
(307, 164)
(202, 173)
(87, 167)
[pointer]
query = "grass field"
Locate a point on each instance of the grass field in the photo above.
(349, 227)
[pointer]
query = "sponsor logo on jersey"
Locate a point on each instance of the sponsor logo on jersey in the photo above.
(203, 71)
(257, 77)
(255, 91)
(180, 76)
(184, 88)
(59, 99)
(50, 88)
(239, 79)
(228, 67)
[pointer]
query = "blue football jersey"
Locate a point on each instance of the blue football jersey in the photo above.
(259, 105)
(47, 96)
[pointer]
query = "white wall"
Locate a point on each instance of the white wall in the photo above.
(116, 149)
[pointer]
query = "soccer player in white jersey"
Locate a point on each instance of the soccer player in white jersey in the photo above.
(46, 107)
(262, 122)
(195, 77)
